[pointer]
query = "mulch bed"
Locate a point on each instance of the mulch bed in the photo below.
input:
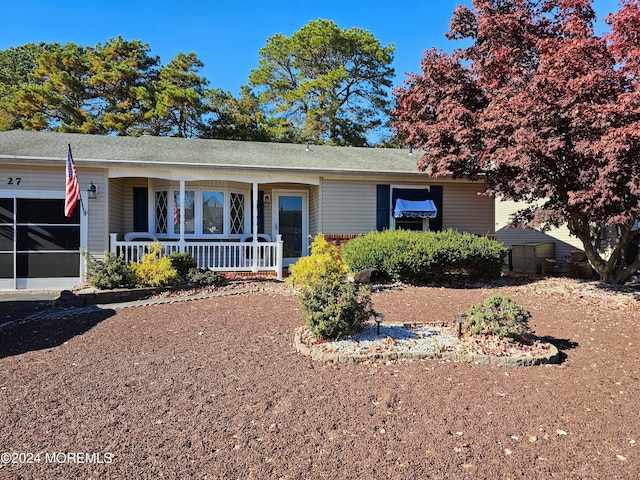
(215, 389)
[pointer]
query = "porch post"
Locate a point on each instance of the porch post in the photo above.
(113, 238)
(181, 245)
(279, 250)
(254, 228)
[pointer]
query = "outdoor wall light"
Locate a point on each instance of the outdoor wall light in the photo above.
(92, 191)
(378, 318)
(460, 319)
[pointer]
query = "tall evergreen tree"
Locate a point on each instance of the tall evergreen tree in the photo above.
(243, 118)
(16, 66)
(121, 75)
(57, 96)
(331, 84)
(179, 98)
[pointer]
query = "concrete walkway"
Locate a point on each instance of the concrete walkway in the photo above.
(16, 305)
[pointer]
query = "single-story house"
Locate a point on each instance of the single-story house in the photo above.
(235, 206)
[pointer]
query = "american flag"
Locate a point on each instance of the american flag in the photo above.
(73, 189)
(176, 212)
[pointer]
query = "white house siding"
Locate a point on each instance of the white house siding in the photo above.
(564, 242)
(32, 179)
(348, 207)
(98, 238)
(465, 210)
(116, 204)
(314, 210)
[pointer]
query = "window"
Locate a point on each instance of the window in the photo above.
(162, 226)
(237, 213)
(213, 212)
(189, 212)
(206, 212)
(418, 206)
(405, 223)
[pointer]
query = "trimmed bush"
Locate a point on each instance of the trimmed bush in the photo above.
(333, 306)
(155, 270)
(182, 262)
(421, 257)
(333, 312)
(203, 277)
(500, 317)
(111, 272)
(324, 265)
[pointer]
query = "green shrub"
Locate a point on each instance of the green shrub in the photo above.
(155, 270)
(182, 262)
(203, 277)
(333, 312)
(500, 317)
(420, 257)
(322, 266)
(111, 272)
(333, 306)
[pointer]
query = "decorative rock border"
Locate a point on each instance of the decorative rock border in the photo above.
(552, 356)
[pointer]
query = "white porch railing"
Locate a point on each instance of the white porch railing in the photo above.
(217, 256)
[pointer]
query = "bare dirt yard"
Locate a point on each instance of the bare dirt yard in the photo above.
(214, 389)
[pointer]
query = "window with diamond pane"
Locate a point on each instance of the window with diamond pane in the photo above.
(161, 211)
(237, 213)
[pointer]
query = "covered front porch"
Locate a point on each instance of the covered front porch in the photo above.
(251, 255)
(225, 225)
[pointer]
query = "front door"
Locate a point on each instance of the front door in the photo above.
(291, 220)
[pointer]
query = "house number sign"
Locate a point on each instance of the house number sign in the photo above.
(13, 180)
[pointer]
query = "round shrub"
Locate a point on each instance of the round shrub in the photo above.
(500, 317)
(111, 272)
(324, 265)
(333, 307)
(155, 270)
(420, 257)
(333, 312)
(203, 277)
(182, 262)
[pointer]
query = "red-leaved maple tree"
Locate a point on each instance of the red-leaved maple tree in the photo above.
(544, 109)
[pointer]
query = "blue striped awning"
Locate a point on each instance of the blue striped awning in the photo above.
(415, 209)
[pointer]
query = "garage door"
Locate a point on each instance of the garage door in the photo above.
(39, 246)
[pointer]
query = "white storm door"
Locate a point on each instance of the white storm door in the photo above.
(290, 216)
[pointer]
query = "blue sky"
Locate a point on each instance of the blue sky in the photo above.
(227, 34)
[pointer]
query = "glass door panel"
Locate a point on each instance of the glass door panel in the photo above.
(290, 218)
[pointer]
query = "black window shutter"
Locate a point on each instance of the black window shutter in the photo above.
(435, 224)
(383, 207)
(140, 209)
(260, 212)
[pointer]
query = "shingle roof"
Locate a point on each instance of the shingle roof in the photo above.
(151, 151)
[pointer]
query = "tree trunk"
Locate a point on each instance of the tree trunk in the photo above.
(614, 270)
